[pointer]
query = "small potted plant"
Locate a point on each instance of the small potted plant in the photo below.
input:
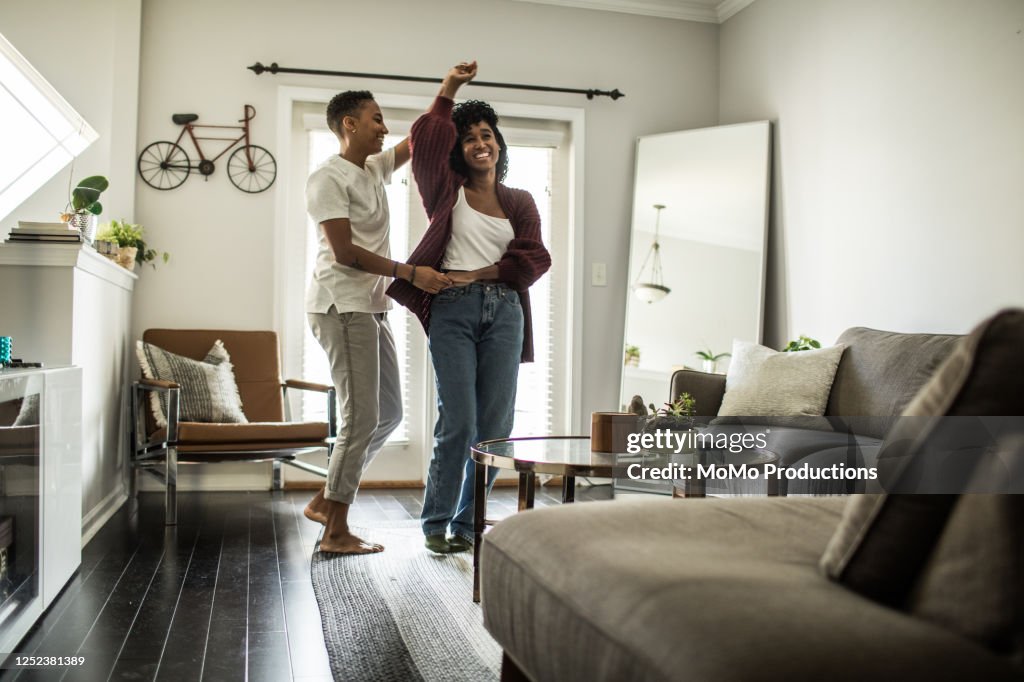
(801, 343)
(710, 359)
(632, 356)
(132, 247)
(676, 416)
(84, 205)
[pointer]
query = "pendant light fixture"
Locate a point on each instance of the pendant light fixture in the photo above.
(651, 289)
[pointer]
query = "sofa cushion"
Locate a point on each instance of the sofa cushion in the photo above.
(766, 383)
(971, 584)
(251, 432)
(884, 541)
(208, 389)
(881, 372)
(655, 589)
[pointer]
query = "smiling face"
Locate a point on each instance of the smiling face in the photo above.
(480, 148)
(366, 130)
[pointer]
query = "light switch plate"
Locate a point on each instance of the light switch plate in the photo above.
(599, 275)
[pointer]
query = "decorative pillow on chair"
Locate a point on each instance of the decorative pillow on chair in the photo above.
(766, 383)
(208, 389)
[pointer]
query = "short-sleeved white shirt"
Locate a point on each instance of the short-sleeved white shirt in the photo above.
(341, 189)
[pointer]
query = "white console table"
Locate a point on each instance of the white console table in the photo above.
(40, 492)
(64, 304)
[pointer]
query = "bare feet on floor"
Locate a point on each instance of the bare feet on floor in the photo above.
(346, 543)
(316, 510)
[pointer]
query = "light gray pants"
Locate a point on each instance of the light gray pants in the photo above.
(364, 368)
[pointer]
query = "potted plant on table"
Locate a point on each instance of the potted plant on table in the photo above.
(132, 247)
(632, 356)
(676, 416)
(84, 205)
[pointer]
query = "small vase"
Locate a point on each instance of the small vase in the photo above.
(126, 257)
(710, 366)
(85, 223)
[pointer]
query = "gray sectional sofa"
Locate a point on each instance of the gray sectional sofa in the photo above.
(877, 376)
(650, 588)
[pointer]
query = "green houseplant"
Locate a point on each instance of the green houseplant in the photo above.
(84, 205)
(801, 343)
(676, 415)
(131, 244)
(632, 356)
(711, 359)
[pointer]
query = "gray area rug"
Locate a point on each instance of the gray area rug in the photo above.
(402, 614)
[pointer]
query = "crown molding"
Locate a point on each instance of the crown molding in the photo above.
(708, 11)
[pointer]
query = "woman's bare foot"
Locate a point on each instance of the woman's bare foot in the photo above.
(316, 510)
(346, 543)
(337, 538)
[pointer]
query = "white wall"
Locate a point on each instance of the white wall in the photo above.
(899, 158)
(222, 241)
(87, 50)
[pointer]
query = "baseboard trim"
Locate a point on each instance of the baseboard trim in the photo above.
(101, 513)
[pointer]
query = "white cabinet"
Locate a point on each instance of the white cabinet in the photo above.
(40, 492)
(67, 305)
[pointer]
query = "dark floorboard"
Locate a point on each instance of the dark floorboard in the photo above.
(224, 595)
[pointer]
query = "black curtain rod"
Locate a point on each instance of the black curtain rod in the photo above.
(258, 68)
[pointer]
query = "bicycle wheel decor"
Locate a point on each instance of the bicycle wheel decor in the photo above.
(164, 165)
(252, 168)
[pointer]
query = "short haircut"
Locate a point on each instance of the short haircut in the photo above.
(466, 115)
(344, 104)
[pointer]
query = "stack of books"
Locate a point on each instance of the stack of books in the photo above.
(43, 232)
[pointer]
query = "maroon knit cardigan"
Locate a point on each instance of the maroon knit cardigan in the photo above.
(526, 260)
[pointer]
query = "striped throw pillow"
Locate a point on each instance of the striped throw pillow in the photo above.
(208, 389)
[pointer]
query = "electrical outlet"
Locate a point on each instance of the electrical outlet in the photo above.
(599, 275)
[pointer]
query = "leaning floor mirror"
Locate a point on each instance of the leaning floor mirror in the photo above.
(697, 253)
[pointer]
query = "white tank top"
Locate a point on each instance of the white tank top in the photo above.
(478, 240)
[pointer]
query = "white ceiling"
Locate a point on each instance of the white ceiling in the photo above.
(711, 11)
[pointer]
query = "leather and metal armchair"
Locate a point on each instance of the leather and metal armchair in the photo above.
(269, 435)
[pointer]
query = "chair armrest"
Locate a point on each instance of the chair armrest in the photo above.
(157, 384)
(173, 391)
(306, 386)
(332, 418)
(706, 389)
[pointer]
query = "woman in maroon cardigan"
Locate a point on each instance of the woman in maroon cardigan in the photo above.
(487, 237)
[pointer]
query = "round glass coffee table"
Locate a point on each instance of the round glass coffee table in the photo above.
(565, 456)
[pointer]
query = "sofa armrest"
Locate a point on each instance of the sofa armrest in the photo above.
(707, 389)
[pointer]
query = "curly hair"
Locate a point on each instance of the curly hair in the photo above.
(465, 115)
(344, 104)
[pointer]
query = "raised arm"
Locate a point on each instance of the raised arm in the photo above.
(432, 139)
(401, 153)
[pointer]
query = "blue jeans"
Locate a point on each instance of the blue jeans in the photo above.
(476, 339)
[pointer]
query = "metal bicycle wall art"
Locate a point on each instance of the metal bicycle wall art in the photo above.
(165, 165)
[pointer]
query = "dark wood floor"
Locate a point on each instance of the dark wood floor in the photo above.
(224, 595)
